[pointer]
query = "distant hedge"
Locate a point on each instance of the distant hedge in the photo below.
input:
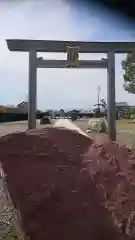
(13, 117)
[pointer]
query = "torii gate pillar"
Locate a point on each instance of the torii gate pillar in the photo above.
(32, 89)
(111, 107)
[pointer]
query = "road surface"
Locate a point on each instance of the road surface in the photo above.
(21, 126)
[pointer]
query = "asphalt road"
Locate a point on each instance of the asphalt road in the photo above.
(10, 127)
(21, 126)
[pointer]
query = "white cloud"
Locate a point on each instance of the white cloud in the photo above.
(51, 19)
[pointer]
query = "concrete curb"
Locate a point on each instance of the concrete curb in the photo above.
(69, 125)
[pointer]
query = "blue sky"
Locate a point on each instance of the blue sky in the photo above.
(58, 20)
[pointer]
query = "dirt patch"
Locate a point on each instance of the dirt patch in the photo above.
(64, 185)
(112, 167)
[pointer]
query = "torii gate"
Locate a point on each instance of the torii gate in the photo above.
(73, 48)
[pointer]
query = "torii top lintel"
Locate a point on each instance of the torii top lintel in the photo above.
(24, 45)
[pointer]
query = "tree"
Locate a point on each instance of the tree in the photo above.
(103, 103)
(62, 113)
(129, 73)
(127, 113)
(98, 109)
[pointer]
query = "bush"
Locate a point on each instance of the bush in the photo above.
(98, 125)
(45, 120)
(129, 112)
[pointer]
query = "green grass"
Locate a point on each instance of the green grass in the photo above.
(125, 124)
(125, 131)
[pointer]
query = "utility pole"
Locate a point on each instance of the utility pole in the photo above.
(97, 113)
(26, 98)
(98, 96)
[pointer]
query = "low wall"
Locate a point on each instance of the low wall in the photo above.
(69, 125)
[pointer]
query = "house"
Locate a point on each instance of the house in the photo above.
(121, 105)
(24, 106)
(120, 108)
